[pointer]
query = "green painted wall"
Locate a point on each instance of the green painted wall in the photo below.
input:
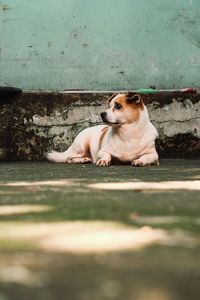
(102, 44)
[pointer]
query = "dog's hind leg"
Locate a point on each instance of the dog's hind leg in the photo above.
(72, 155)
(79, 160)
(78, 152)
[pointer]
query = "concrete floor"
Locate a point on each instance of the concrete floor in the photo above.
(79, 232)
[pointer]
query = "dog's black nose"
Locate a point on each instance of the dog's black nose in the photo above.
(103, 114)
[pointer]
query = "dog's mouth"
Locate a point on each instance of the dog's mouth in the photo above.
(105, 120)
(111, 123)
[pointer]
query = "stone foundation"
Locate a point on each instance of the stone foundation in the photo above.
(33, 123)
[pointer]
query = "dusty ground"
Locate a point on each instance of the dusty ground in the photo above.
(79, 232)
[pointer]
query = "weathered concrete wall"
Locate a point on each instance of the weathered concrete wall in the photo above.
(33, 123)
(99, 45)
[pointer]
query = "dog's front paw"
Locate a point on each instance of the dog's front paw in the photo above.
(137, 163)
(103, 163)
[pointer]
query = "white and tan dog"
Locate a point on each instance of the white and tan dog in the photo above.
(127, 137)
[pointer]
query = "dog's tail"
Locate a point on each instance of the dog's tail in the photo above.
(59, 157)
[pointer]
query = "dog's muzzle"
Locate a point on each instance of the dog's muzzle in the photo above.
(104, 119)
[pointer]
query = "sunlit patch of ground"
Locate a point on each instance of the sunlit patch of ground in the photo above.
(22, 209)
(155, 294)
(59, 182)
(164, 185)
(21, 275)
(89, 236)
(197, 177)
(154, 220)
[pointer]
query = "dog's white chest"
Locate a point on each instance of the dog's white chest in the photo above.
(124, 151)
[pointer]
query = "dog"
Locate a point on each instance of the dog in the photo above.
(128, 136)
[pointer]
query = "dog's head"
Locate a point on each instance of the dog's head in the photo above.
(123, 109)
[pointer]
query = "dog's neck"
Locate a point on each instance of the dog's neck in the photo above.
(135, 129)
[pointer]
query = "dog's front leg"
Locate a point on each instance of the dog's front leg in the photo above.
(146, 160)
(104, 159)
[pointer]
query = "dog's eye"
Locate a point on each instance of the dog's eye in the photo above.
(117, 106)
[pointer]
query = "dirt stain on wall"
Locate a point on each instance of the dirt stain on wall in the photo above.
(4, 7)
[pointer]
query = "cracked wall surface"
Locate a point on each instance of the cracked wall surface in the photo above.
(33, 123)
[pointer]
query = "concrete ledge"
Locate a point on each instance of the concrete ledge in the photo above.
(33, 123)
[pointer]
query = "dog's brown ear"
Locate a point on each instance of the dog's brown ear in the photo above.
(113, 96)
(133, 98)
